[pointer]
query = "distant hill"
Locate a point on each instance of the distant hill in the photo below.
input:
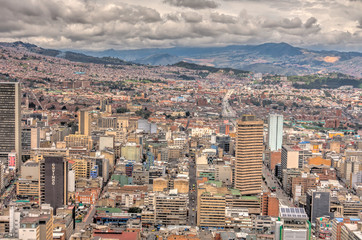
(159, 59)
(331, 80)
(194, 66)
(277, 58)
(68, 55)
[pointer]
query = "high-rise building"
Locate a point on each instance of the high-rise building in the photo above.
(318, 204)
(10, 116)
(249, 155)
(53, 181)
(84, 123)
(275, 132)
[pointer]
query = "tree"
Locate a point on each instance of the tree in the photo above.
(134, 210)
(32, 105)
(144, 113)
(122, 110)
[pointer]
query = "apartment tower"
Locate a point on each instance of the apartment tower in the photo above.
(249, 155)
(10, 117)
(275, 132)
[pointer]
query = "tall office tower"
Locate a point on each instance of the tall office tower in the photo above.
(275, 132)
(10, 116)
(84, 123)
(53, 181)
(249, 155)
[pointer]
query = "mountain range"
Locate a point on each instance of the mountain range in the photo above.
(274, 58)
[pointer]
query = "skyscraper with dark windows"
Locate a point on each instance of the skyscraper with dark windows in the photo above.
(54, 181)
(10, 116)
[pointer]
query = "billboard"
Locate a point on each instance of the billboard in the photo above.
(12, 161)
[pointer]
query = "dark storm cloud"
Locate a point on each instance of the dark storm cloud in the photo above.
(195, 4)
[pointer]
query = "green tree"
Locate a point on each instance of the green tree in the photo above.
(134, 210)
(122, 110)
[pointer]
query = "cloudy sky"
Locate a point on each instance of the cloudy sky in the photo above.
(130, 24)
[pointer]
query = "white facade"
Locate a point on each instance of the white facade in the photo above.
(71, 181)
(28, 233)
(295, 234)
(275, 132)
(14, 222)
(106, 142)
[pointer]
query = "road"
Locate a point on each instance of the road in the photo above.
(227, 110)
(273, 182)
(88, 219)
(192, 194)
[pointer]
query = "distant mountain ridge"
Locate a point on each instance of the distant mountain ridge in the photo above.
(68, 55)
(274, 58)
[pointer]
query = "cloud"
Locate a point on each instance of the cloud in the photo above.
(222, 18)
(283, 23)
(310, 22)
(125, 24)
(191, 17)
(194, 4)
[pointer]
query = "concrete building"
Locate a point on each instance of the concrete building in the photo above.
(106, 142)
(275, 132)
(211, 210)
(171, 209)
(28, 183)
(290, 157)
(249, 154)
(10, 117)
(77, 140)
(131, 151)
(295, 224)
(269, 205)
(84, 123)
(53, 181)
(71, 181)
(323, 228)
(318, 204)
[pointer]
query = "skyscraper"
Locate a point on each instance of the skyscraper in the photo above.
(10, 116)
(249, 155)
(84, 122)
(275, 132)
(53, 181)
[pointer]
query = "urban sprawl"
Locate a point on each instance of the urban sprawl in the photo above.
(98, 151)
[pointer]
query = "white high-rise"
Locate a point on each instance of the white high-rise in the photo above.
(275, 132)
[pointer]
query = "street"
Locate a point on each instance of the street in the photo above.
(88, 219)
(273, 182)
(227, 110)
(192, 193)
